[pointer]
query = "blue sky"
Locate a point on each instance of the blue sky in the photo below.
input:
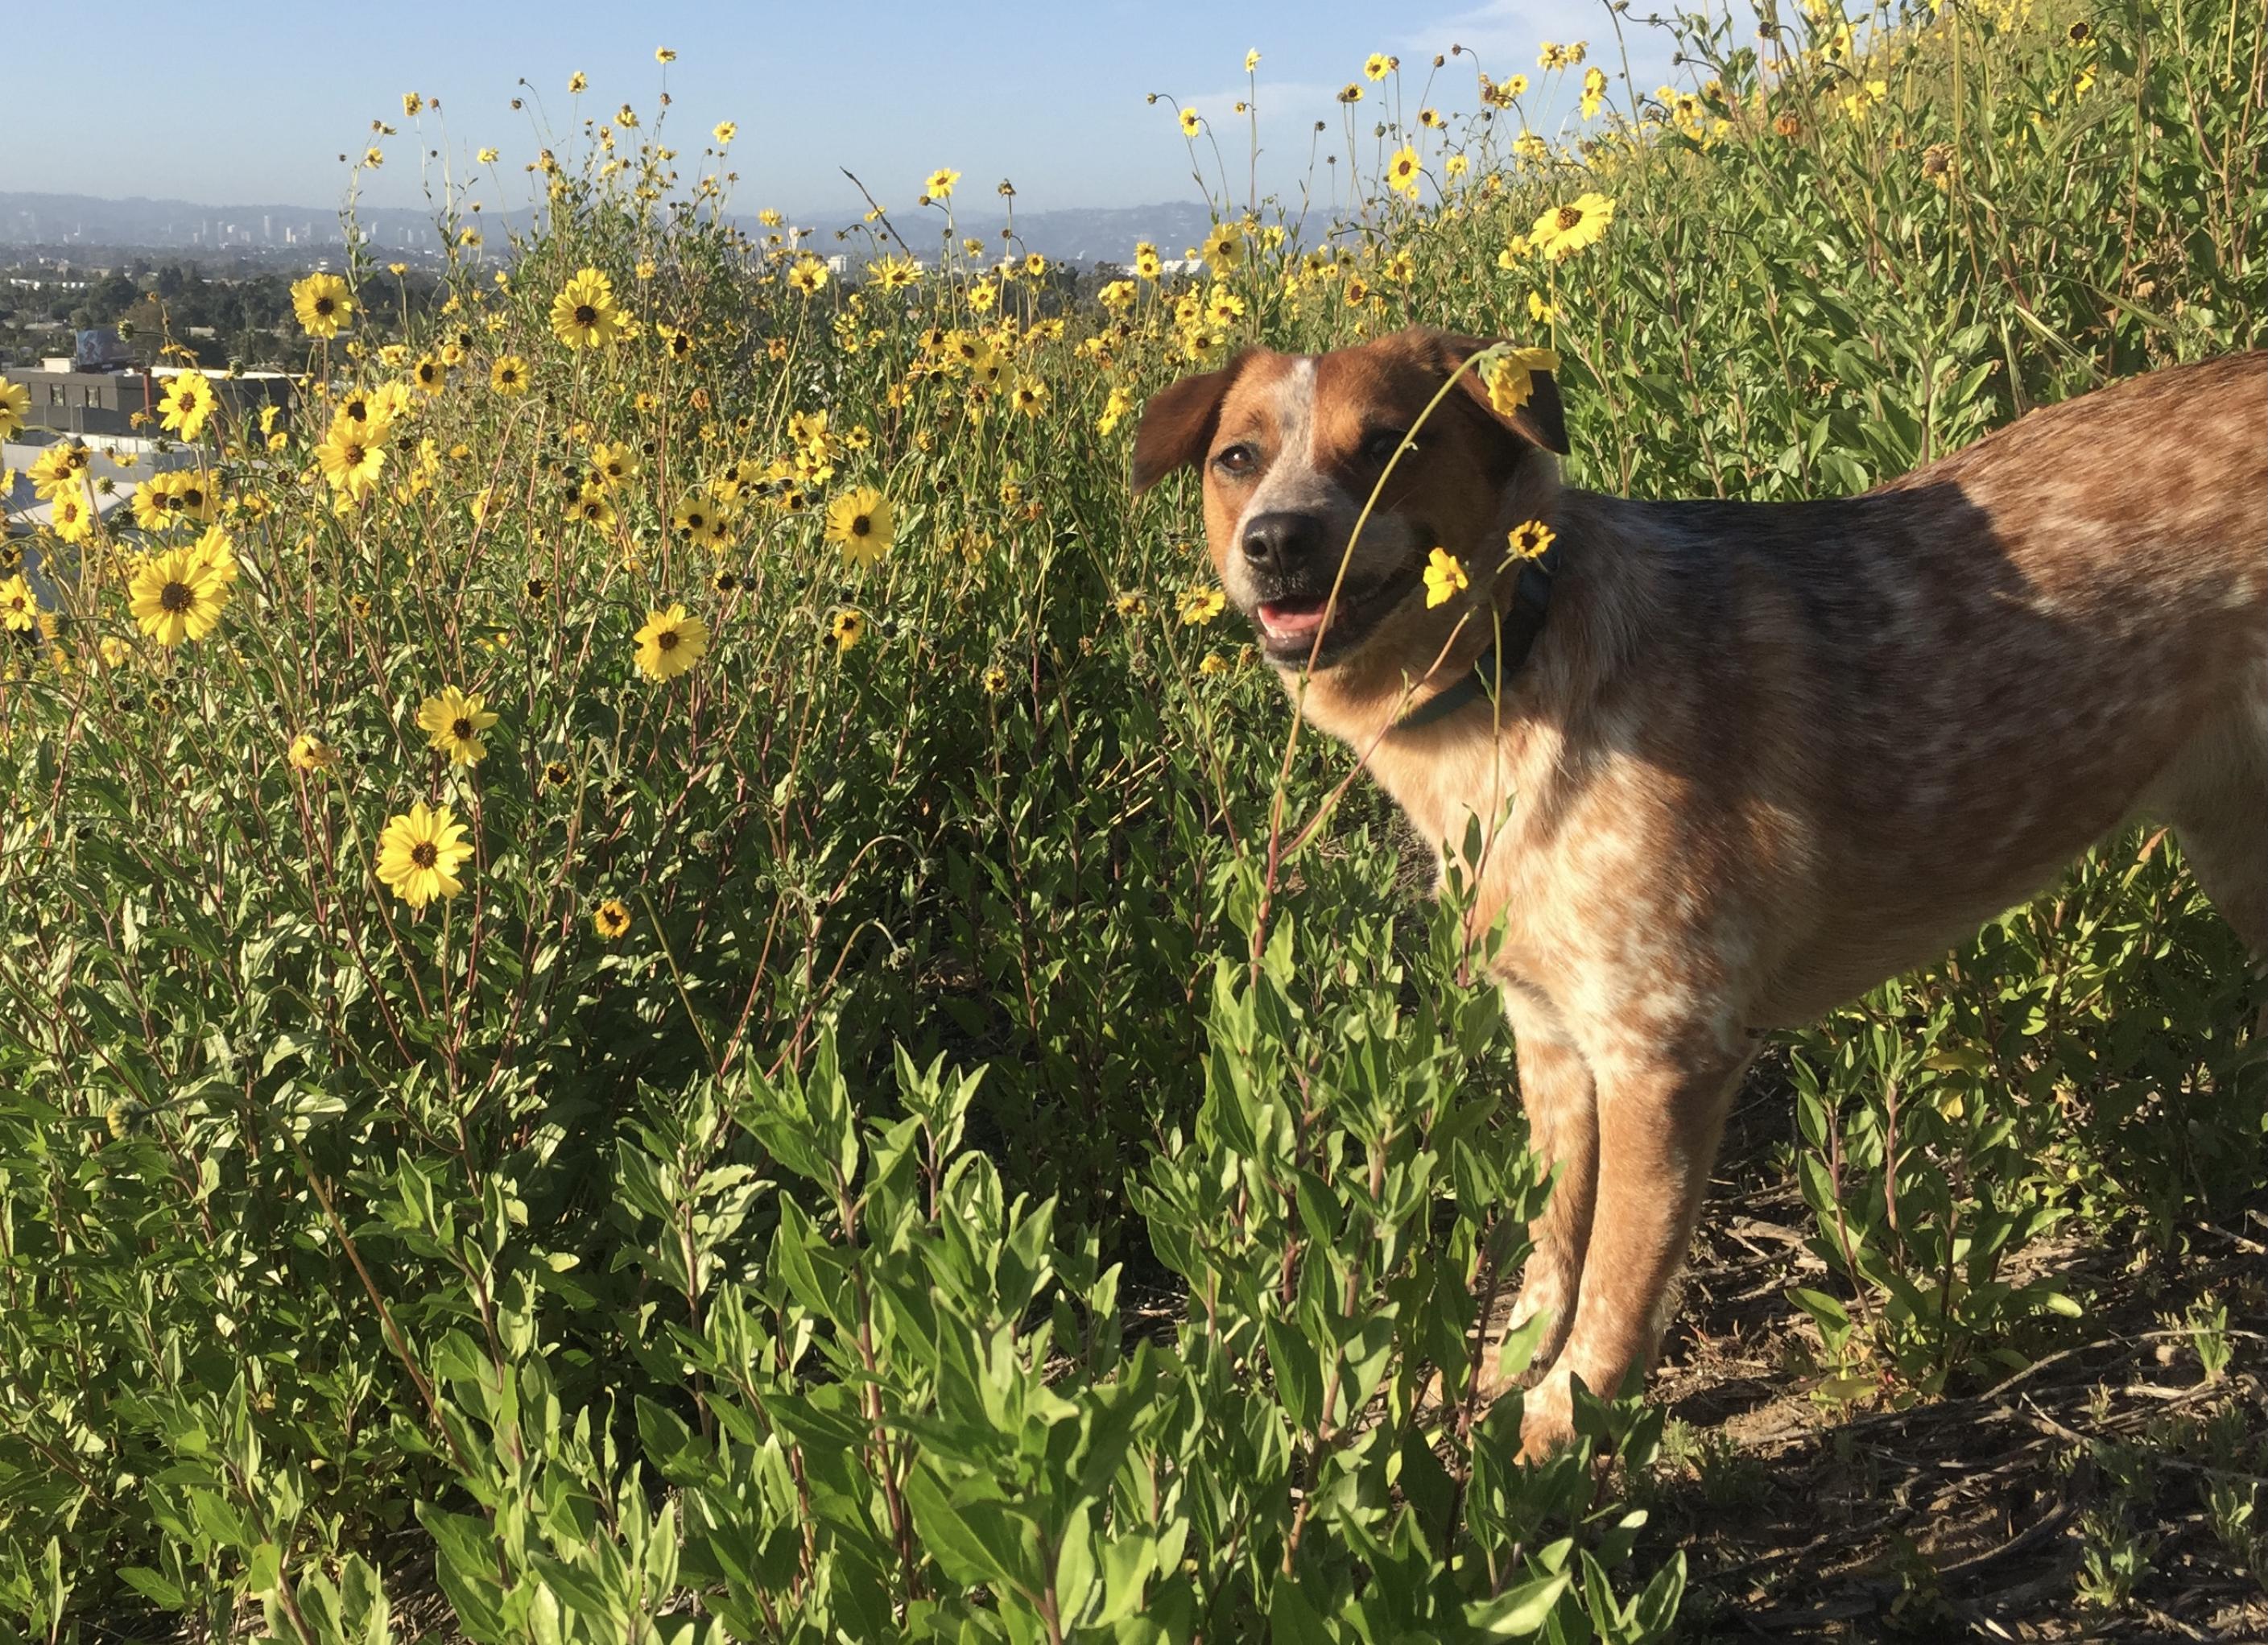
(256, 101)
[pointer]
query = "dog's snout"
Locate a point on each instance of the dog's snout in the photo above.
(1281, 542)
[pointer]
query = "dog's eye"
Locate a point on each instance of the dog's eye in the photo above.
(1379, 446)
(1237, 459)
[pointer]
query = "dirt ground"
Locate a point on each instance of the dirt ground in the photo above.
(1971, 1517)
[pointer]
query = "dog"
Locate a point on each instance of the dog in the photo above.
(1736, 763)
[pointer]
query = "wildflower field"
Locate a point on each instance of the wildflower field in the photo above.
(667, 977)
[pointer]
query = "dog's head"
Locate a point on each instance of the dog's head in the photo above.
(1292, 446)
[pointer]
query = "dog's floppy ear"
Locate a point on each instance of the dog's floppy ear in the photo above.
(1178, 424)
(1540, 422)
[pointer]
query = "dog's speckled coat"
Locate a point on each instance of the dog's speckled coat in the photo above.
(1763, 756)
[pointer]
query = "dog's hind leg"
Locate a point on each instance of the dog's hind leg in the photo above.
(1658, 1122)
(2216, 796)
(1560, 1099)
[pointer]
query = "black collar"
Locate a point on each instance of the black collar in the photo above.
(1531, 600)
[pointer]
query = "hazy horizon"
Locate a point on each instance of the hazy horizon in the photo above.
(880, 89)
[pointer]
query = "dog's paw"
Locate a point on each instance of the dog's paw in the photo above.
(1547, 1419)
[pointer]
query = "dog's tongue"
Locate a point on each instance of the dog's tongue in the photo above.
(1291, 619)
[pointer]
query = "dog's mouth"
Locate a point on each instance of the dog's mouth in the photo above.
(1290, 623)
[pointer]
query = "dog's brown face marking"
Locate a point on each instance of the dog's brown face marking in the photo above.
(1292, 448)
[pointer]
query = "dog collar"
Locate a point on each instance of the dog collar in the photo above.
(1531, 600)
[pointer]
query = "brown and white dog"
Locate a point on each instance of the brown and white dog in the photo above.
(1760, 757)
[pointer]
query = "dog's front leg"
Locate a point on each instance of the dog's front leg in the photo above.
(1659, 1120)
(1559, 1096)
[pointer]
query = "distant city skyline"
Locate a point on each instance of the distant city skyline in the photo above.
(256, 104)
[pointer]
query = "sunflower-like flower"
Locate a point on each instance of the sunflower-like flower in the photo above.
(178, 594)
(1510, 377)
(508, 374)
(15, 408)
(584, 314)
(939, 186)
(1530, 540)
(1200, 606)
(421, 853)
(452, 723)
(310, 753)
(352, 454)
(189, 401)
(860, 521)
(19, 607)
(324, 304)
(1444, 578)
(670, 643)
(1565, 230)
(611, 919)
(700, 521)
(1403, 173)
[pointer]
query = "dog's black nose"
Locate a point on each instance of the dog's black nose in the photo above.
(1279, 544)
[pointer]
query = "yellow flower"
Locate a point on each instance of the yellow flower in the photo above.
(1444, 578)
(1113, 410)
(323, 303)
(487, 157)
(611, 919)
(1200, 606)
(670, 643)
(860, 521)
(1594, 90)
(1403, 175)
(19, 609)
(351, 456)
(190, 400)
(421, 853)
(1530, 539)
(939, 186)
(578, 81)
(591, 507)
(996, 680)
(584, 314)
(1223, 247)
(614, 465)
(178, 594)
(808, 275)
(1146, 262)
(1376, 66)
(699, 522)
(663, 55)
(1565, 230)
(71, 516)
(1252, 59)
(508, 374)
(15, 408)
(725, 131)
(1132, 603)
(847, 628)
(1510, 377)
(310, 753)
(452, 723)
(1029, 397)
(1192, 122)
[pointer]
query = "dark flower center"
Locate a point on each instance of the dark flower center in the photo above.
(860, 525)
(177, 597)
(586, 315)
(323, 306)
(1569, 217)
(461, 729)
(666, 639)
(424, 853)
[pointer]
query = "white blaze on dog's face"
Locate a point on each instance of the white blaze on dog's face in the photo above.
(1292, 446)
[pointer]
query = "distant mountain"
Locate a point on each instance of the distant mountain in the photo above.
(1076, 234)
